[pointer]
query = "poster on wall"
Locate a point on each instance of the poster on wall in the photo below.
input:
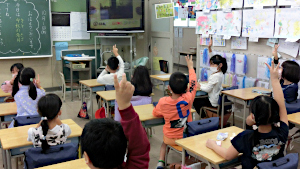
(183, 12)
(198, 5)
(226, 4)
(206, 23)
(288, 2)
(290, 48)
(287, 26)
(229, 23)
(258, 23)
(238, 43)
(218, 40)
(239, 64)
(209, 4)
(262, 71)
(204, 41)
(228, 56)
(259, 3)
(165, 10)
(191, 12)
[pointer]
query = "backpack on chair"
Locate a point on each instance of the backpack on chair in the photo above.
(289, 161)
(26, 120)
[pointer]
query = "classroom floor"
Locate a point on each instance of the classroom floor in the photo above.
(71, 109)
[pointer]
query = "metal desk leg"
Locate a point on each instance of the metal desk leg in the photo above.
(92, 102)
(244, 119)
(4, 159)
(183, 157)
(8, 158)
(81, 92)
(222, 115)
(71, 72)
(107, 108)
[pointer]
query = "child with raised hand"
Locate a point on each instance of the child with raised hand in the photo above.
(104, 141)
(290, 76)
(115, 65)
(49, 108)
(14, 69)
(27, 95)
(266, 142)
(176, 108)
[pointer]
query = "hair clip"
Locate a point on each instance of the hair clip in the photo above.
(254, 127)
(43, 137)
(31, 79)
(44, 118)
(277, 124)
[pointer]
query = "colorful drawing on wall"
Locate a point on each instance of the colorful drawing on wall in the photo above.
(239, 64)
(183, 12)
(206, 23)
(225, 4)
(255, 3)
(204, 41)
(287, 26)
(289, 2)
(210, 4)
(164, 10)
(218, 40)
(176, 12)
(191, 0)
(262, 68)
(198, 4)
(229, 23)
(258, 23)
(183, 1)
(191, 12)
(238, 43)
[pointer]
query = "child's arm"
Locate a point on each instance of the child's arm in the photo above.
(277, 92)
(192, 76)
(275, 54)
(156, 111)
(209, 46)
(227, 154)
(138, 143)
(209, 85)
(105, 78)
(121, 62)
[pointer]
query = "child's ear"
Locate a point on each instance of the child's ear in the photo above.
(59, 113)
(87, 160)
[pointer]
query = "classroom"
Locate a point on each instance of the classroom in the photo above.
(158, 84)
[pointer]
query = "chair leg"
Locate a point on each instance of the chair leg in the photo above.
(64, 93)
(79, 91)
(233, 124)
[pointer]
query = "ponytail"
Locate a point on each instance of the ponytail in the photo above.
(15, 88)
(32, 90)
(25, 77)
(45, 128)
(224, 63)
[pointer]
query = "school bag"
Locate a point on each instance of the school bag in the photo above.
(34, 157)
(26, 120)
(293, 107)
(201, 126)
(83, 113)
(289, 161)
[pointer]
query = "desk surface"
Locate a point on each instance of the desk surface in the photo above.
(197, 144)
(244, 94)
(3, 94)
(159, 78)
(294, 118)
(78, 164)
(8, 109)
(17, 136)
(91, 83)
(109, 95)
(145, 112)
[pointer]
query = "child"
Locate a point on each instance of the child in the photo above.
(143, 89)
(28, 95)
(104, 141)
(14, 69)
(267, 142)
(218, 66)
(49, 108)
(113, 64)
(290, 75)
(176, 108)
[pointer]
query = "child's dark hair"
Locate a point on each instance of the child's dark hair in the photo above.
(104, 142)
(48, 106)
(266, 111)
(217, 59)
(17, 65)
(113, 63)
(178, 83)
(141, 80)
(25, 77)
(291, 71)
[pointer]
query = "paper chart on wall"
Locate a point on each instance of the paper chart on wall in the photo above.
(183, 12)
(258, 23)
(290, 48)
(263, 84)
(261, 68)
(289, 2)
(218, 40)
(238, 43)
(204, 41)
(206, 23)
(239, 64)
(225, 4)
(256, 3)
(164, 10)
(287, 25)
(229, 23)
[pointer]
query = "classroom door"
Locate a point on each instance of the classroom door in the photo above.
(161, 38)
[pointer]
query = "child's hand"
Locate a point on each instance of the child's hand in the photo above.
(210, 143)
(273, 71)
(38, 82)
(124, 92)
(275, 52)
(210, 43)
(189, 61)
(115, 50)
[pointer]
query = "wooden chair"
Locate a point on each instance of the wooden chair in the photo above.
(65, 86)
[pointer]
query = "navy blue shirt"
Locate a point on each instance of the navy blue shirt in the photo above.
(290, 92)
(271, 146)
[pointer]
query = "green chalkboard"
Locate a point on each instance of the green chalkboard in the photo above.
(25, 28)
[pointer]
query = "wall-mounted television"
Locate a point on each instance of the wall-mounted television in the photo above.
(115, 16)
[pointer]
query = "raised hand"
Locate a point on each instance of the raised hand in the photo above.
(189, 61)
(273, 70)
(38, 82)
(275, 51)
(115, 50)
(124, 92)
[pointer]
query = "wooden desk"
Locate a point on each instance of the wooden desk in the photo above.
(196, 145)
(78, 164)
(3, 95)
(8, 110)
(93, 86)
(242, 96)
(14, 140)
(294, 118)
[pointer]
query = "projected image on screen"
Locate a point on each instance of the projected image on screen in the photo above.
(115, 14)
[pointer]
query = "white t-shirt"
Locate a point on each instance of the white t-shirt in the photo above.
(56, 136)
(108, 79)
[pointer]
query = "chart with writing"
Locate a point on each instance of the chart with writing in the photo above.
(164, 10)
(255, 3)
(290, 48)
(218, 40)
(206, 23)
(258, 23)
(24, 28)
(238, 43)
(229, 23)
(287, 26)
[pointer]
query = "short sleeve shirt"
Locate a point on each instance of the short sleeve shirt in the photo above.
(271, 146)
